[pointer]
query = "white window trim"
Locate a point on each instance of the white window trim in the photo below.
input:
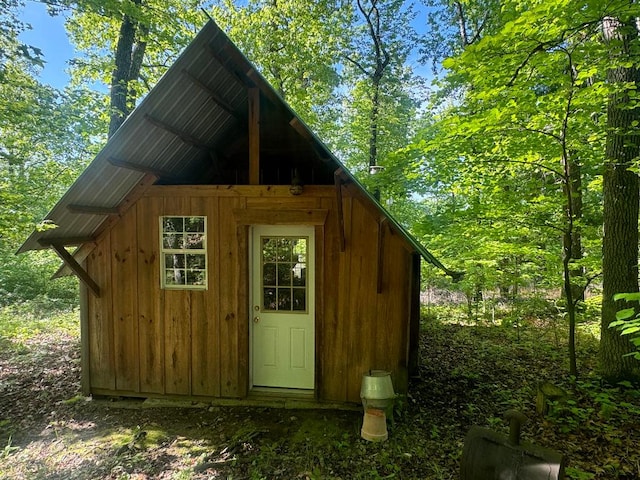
(164, 251)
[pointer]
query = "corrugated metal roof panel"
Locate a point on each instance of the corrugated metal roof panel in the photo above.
(174, 99)
(178, 112)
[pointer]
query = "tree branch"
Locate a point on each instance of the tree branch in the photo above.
(586, 285)
(524, 162)
(541, 132)
(480, 28)
(539, 48)
(358, 65)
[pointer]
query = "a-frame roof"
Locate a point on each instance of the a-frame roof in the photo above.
(191, 128)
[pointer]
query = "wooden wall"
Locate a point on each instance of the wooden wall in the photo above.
(143, 340)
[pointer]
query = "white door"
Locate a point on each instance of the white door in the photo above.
(282, 308)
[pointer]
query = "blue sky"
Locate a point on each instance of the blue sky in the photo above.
(49, 35)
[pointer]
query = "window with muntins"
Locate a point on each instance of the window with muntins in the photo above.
(183, 249)
(284, 274)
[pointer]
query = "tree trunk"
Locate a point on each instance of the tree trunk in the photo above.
(120, 101)
(575, 196)
(621, 197)
(373, 122)
(382, 59)
(571, 306)
(572, 250)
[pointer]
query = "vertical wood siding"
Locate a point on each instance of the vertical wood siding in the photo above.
(124, 282)
(102, 374)
(144, 340)
(150, 301)
(205, 317)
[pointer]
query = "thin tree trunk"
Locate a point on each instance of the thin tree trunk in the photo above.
(572, 247)
(382, 60)
(120, 99)
(571, 307)
(373, 123)
(575, 185)
(621, 197)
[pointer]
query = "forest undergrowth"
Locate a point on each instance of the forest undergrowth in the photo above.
(469, 375)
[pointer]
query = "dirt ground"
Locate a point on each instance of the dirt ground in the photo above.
(49, 431)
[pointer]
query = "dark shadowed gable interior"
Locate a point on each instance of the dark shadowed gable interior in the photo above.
(204, 274)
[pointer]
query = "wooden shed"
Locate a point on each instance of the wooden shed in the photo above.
(223, 251)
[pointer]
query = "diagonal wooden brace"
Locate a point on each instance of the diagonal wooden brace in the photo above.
(82, 274)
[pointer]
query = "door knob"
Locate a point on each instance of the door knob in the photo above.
(256, 319)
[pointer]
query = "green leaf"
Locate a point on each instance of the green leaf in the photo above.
(630, 330)
(625, 314)
(629, 297)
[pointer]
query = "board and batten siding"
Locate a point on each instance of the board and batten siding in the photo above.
(143, 340)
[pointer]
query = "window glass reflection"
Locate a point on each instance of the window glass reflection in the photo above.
(284, 271)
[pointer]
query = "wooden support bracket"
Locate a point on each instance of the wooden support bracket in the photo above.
(82, 274)
(89, 243)
(337, 177)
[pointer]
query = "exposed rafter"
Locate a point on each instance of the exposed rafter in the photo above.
(184, 136)
(221, 102)
(299, 127)
(64, 241)
(87, 246)
(223, 60)
(249, 78)
(141, 168)
(92, 210)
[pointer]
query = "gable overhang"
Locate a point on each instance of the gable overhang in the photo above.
(183, 132)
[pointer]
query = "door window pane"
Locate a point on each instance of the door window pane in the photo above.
(284, 274)
(283, 268)
(269, 274)
(284, 299)
(269, 299)
(269, 249)
(284, 250)
(299, 299)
